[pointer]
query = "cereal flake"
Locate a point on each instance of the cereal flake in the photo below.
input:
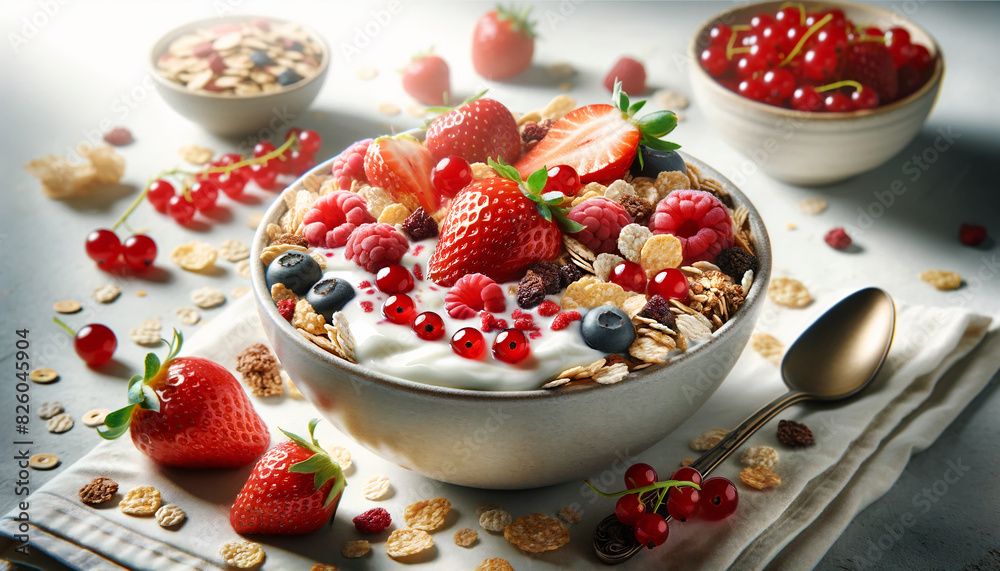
(98, 491)
(768, 346)
(760, 456)
(942, 279)
(708, 440)
(465, 537)
(355, 549)
(208, 297)
(495, 520)
(428, 515)
(406, 542)
(59, 423)
(234, 250)
(194, 256)
(242, 554)
(788, 292)
(170, 515)
(150, 332)
(106, 293)
(660, 252)
(759, 477)
(536, 533)
(141, 501)
(376, 488)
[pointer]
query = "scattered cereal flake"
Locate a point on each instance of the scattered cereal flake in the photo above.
(59, 423)
(942, 279)
(95, 417)
(406, 542)
(148, 333)
(67, 306)
(188, 315)
(43, 461)
(170, 515)
(141, 500)
(611, 375)
(242, 554)
(195, 154)
(208, 297)
(660, 252)
(387, 108)
(106, 293)
(194, 256)
(239, 291)
(140, 293)
(670, 100)
(605, 263)
(341, 455)
(273, 251)
(482, 171)
(495, 520)
(254, 219)
(322, 567)
(393, 214)
(788, 292)
(569, 515)
(367, 72)
(768, 346)
(428, 515)
(305, 317)
(791, 226)
(243, 269)
(495, 564)
(49, 409)
(465, 537)
(356, 548)
(376, 488)
(234, 250)
(43, 375)
(813, 205)
(98, 491)
(631, 240)
(708, 440)
(759, 477)
(536, 533)
(414, 110)
(760, 456)
(485, 507)
(61, 178)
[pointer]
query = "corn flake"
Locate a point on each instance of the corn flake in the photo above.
(106, 293)
(605, 263)
(376, 488)
(141, 501)
(941, 279)
(148, 333)
(194, 256)
(208, 297)
(242, 554)
(764, 456)
(393, 214)
(428, 515)
(195, 154)
(768, 347)
(536, 533)
(465, 537)
(759, 478)
(631, 240)
(355, 549)
(660, 252)
(495, 520)
(305, 317)
(708, 440)
(234, 250)
(495, 564)
(788, 292)
(406, 542)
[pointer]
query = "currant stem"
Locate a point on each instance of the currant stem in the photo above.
(800, 6)
(275, 154)
(839, 84)
(64, 326)
(732, 39)
(802, 41)
(142, 195)
(665, 484)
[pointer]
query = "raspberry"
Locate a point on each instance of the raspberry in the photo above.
(549, 272)
(333, 217)
(523, 321)
(972, 235)
(569, 273)
(638, 208)
(473, 293)
(530, 290)
(734, 262)
(419, 225)
(286, 308)
(289, 238)
(534, 132)
(603, 219)
(119, 136)
(563, 320)
(837, 239)
(375, 246)
(658, 308)
(489, 322)
(698, 219)
(350, 164)
(374, 520)
(549, 308)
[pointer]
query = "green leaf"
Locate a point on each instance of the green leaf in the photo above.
(531, 196)
(660, 144)
(635, 107)
(554, 197)
(312, 429)
(135, 379)
(536, 182)
(112, 433)
(657, 124)
(175, 345)
(568, 224)
(117, 422)
(545, 211)
(505, 170)
(150, 400)
(152, 366)
(310, 465)
(135, 395)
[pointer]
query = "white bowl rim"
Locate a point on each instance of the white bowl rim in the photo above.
(693, 53)
(174, 33)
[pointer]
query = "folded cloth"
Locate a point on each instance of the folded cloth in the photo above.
(941, 358)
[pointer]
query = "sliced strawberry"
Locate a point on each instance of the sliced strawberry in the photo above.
(426, 79)
(477, 130)
(402, 166)
(870, 63)
(599, 141)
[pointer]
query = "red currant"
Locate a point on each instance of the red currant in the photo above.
(429, 326)
(511, 346)
(687, 474)
(819, 63)
(180, 209)
(792, 37)
(683, 502)
(628, 508)
(760, 21)
(399, 309)
(719, 499)
(630, 276)
(232, 183)
(835, 38)
(104, 247)
(719, 35)
(204, 194)
(789, 16)
(639, 476)
(713, 59)
(670, 283)
(468, 343)
(159, 194)
(874, 32)
(837, 103)
(310, 142)
(228, 159)
(779, 84)
(262, 148)
(896, 36)
(95, 344)
(922, 58)
(651, 529)
(293, 131)
(394, 279)
(450, 175)
(806, 98)
(865, 98)
(299, 162)
(139, 252)
(264, 175)
(752, 88)
(564, 179)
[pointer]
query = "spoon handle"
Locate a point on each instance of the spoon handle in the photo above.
(614, 542)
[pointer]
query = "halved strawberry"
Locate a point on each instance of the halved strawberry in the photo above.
(498, 227)
(477, 130)
(600, 141)
(402, 166)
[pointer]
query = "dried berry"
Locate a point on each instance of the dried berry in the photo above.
(791, 433)
(289, 238)
(549, 272)
(420, 225)
(374, 520)
(734, 262)
(119, 136)
(98, 491)
(534, 132)
(530, 290)
(636, 207)
(286, 308)
(569, 273)
(837, 239)
(658, 308)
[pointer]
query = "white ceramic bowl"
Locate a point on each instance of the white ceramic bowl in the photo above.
(814, 148)
(237, 115)
(511, 439)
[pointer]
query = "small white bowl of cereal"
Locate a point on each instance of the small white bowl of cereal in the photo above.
(507, 325)
(239, 74)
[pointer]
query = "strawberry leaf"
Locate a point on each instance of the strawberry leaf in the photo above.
(152, 366)
(545, 212)
(135, 395)
(659, 145)
(117, 423)
(635, 107)
(657, 124)
(506, 171)
(554, 197)
(440, 110)
(320, 464)
(568, 225)
(536, 181)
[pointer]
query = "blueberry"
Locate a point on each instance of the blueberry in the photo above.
(260, 58)
(654, 162)
(329, 296)
(288, 77)
(297, 270)
(608, 329)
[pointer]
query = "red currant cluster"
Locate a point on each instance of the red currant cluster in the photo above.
(138, 251)
(683, 496)
(816, 61)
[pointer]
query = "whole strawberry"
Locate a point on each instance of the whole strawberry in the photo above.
(293, 489)
(870, 63)
(426, 79)
(189, 413)
(477, 130)
(503, 43)
(498, 227)
(402, 166)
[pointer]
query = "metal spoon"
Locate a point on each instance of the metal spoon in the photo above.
(835, 358)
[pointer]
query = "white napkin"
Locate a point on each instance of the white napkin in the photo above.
(940, 360)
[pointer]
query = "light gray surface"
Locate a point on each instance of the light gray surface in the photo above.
(81, 66)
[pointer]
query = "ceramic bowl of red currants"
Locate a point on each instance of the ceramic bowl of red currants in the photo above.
(225, 112)
(814, 93)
